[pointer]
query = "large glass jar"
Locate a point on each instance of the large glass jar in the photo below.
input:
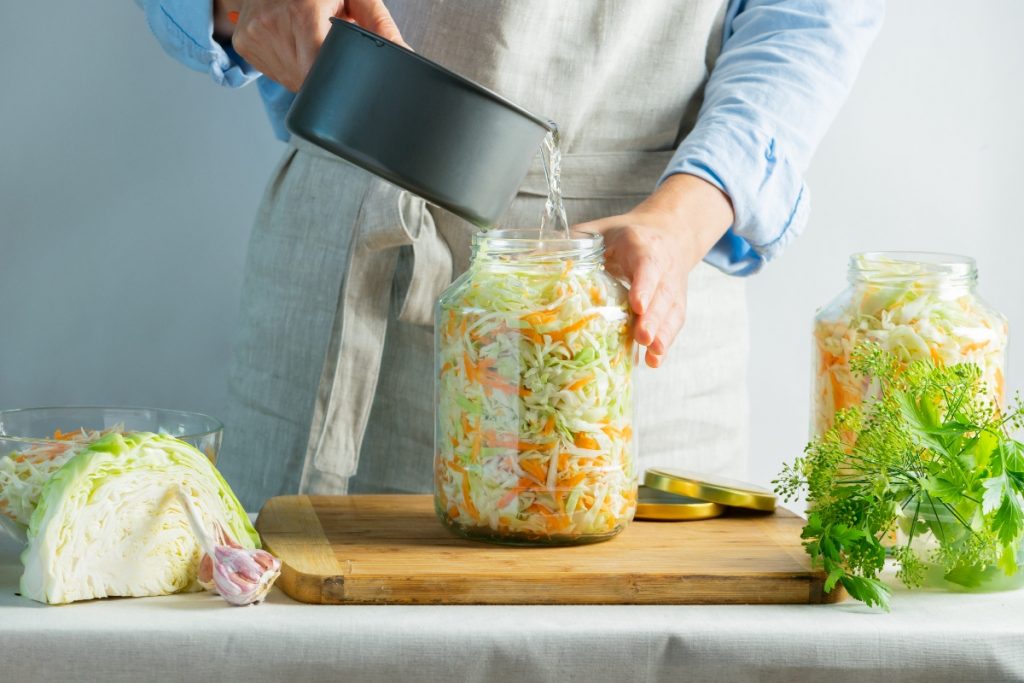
(534, 363)
(915, 306)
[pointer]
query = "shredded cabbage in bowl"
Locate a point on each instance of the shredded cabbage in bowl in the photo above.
(23, 473)
(913, 315)
(534, 434)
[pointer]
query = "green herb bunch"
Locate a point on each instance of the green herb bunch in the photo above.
(926, 472)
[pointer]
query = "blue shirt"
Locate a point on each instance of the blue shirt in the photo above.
(785, 68)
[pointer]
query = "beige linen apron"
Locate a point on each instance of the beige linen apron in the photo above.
(331, 387)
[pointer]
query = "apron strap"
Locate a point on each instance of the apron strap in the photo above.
(389, 218)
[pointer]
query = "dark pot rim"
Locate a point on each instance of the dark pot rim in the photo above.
(473, 85)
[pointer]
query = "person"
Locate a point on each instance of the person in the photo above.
(687, 126)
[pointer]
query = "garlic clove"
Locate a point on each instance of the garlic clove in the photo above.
(243, 576)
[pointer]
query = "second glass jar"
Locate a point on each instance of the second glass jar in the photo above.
(534, 393)
(916, 306)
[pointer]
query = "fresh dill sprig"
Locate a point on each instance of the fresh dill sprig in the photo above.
(928, 455)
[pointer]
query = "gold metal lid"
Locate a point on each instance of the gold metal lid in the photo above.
(719, 490)
(653, 504)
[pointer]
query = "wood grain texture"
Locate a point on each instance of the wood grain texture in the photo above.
(393, 550)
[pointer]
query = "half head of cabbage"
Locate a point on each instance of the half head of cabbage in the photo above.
(109, 522)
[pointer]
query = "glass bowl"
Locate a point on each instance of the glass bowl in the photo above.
(31, 437)
(27, 427)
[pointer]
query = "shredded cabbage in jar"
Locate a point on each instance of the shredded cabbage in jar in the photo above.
(535, 404)
(913, 320)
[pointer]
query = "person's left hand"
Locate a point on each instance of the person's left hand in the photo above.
(655, 246)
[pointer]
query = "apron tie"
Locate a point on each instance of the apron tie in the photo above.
(389, 219)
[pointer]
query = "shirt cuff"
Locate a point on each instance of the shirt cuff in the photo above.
(184, 29)
(276, 100)
(769, 198)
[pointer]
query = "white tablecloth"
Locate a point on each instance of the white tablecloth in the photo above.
(928, 636)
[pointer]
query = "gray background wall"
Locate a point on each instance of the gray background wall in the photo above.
(128, 185)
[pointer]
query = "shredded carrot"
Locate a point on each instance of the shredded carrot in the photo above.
(578, 325)
(551, 520)
(501, 385)
(538, 318)
(841, 396)
(534, 469)
(531, 335)
(580, 383)
(509, 496)
(576, 480)
(549, 426)
(493, 440)
(485, 374)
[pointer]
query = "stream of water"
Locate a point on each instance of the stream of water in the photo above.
(553, 222)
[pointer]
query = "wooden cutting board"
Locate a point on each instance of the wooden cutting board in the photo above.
(393, 550)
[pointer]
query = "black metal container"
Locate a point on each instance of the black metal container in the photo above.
(415, 123)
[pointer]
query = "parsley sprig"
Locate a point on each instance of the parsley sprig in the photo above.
(930, 454)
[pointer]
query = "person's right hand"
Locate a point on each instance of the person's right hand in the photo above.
(281, 38)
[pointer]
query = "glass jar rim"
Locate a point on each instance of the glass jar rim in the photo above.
(527, 245)
(903, 266)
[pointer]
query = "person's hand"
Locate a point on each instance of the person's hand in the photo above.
(655, 246)
(281, 38)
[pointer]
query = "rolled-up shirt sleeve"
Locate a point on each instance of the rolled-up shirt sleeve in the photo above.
(184, 28)
(785, 68)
